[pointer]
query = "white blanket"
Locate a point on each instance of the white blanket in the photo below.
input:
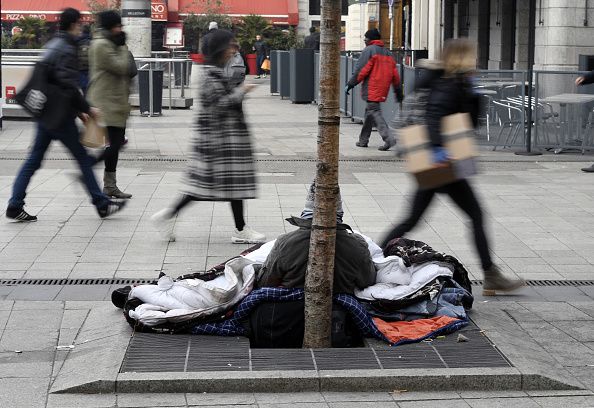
(190, 298)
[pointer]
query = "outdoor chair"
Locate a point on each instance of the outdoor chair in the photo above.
(510, 118)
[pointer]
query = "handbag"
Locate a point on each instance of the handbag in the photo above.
(266, 65)
(43, 99)
(94, 134)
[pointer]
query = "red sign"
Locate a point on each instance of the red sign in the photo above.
(48, 16)
(158, 10)
(10, 92)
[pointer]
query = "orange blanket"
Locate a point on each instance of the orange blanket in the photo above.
(415, 330)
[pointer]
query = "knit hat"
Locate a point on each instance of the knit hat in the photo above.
(109, 18)
(307, 212)
(213, 25)
(373, 34)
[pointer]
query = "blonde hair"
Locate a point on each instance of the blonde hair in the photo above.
(457, 56)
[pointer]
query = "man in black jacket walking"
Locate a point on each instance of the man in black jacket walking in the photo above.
(261, 54)
(61, 58)
(312, 41)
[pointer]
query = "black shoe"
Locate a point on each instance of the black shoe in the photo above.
(19, 214)
(359, 144)
(589, 169)
(257, 77)
(110, 208)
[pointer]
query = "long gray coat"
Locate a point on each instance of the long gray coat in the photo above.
(221, 166)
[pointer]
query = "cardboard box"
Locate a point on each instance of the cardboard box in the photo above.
(458, 136)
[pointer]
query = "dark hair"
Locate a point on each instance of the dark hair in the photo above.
(312, 30)
(87, 29)
(218, 44)
(68, 17)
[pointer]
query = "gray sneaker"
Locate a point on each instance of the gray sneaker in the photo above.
(164, 223)
(496, 282)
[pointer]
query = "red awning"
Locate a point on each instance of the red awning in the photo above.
(277, 11)
(285, 12)
(49, 10)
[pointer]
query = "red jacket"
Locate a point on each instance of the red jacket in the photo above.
(376, 68)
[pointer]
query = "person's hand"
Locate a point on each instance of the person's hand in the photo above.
(83, 117)
(94, 112)
(247, 87)
(347, 88)
(440, 156)
(579, 80)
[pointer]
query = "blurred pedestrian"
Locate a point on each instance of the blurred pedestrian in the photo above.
(450, 93)
(261, 49)
(376, 68)
(112, 68)
(221, 166)
(212, 27)
(312, 41)
(61, 57)
(84, 42)
(586, 80)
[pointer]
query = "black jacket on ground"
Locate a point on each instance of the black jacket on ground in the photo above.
(286, 263)
(62, 58)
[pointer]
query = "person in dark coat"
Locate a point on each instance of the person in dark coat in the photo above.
(286, 263)
(84, 43)
(261, 49)
(61, 57)
(212, 27)
(312, 41)
(221, 165)
(376, 69)
(586, 80)
(450, 93)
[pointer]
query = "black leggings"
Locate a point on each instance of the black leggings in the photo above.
(236, 207)
(462, 194)
(110, 154)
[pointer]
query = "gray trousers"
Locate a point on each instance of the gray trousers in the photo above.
(373, 116)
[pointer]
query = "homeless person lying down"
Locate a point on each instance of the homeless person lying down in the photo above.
(411, 293)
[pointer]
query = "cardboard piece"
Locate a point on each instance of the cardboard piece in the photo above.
(458, 136)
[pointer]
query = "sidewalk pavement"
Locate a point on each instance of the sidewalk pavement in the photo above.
(538, 214)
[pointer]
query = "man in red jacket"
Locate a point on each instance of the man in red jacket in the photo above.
(376, 68)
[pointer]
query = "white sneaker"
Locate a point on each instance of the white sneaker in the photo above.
(247, 236)
(164, 223)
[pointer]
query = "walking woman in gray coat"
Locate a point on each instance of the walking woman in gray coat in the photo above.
(221, 166)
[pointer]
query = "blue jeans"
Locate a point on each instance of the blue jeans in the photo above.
(259, 61)
(68, 135)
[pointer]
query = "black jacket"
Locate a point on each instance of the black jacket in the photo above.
(312, 41)
(261, 48)
(205, 41)
(447, 96)
(588, 78)
(62, 59)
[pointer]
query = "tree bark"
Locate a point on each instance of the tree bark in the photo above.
(320, 268)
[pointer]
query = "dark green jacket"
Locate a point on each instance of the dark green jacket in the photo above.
(287, 262)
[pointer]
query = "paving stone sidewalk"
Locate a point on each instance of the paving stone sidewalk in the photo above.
(539, 217)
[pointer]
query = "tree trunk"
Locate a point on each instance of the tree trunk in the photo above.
(320, 267)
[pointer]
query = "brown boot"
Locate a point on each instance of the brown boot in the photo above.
(110, 188)
(496, 282)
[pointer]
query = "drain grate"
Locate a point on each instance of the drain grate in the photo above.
(106, 281)
(199, 353)
(133, 281)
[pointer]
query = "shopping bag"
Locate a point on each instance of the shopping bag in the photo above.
(43, 99)
(94, 134)
(266, 65)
